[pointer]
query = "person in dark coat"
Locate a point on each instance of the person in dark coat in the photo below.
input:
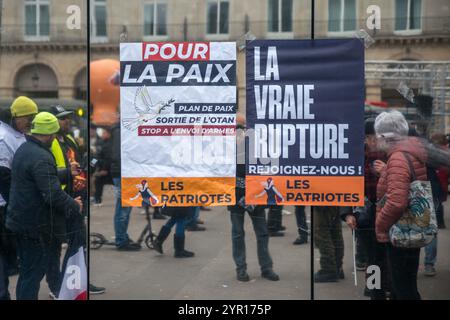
(103, 170)
(362, 219)
(36, 198)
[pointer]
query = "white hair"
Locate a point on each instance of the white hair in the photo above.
(391, 123)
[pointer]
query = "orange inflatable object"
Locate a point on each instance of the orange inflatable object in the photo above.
(105, 91)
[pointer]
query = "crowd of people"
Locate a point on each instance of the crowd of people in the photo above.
(105, 151)
(43, 200)
(394, 156)
(42, 197)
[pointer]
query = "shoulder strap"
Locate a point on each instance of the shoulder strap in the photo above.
(410, 165)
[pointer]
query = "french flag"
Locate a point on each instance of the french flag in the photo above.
(74, 284)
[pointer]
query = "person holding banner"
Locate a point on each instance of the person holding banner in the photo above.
(122, 214)
(258, 217)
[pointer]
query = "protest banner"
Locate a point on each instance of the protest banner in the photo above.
(305, 122)
(178, 123)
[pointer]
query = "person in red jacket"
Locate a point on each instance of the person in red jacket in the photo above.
(391, 129)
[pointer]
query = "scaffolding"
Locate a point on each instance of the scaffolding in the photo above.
(428, 77)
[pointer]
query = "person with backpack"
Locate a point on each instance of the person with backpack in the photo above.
(406, 163)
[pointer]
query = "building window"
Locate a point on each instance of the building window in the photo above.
(341, 15)
(218, 16)
(98, 27)
(155, 13)
(280, 16)
(36, 80)
(37, 18)
(408, 15)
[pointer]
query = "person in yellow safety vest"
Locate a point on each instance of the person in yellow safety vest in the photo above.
(66, 152)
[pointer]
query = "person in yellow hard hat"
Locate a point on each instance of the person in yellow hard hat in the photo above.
(23, 110)
(36, 201)
(14, 124)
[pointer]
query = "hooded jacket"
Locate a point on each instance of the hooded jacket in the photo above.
(36, 196)
(394, 182)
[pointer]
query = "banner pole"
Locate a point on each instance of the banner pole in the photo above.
(354, 257)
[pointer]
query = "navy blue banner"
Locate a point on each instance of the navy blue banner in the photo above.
(305, 105)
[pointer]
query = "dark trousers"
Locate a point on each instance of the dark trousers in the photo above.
(300, 217)
(362, 243)
(33, 255)
(274, 218)
(375, 254)
(440, 213)
(180, 222)
(192, 220)
(4, 280)
(403, 266)
(328, 238)
(99, 183)
(238, 237)
(53, 274)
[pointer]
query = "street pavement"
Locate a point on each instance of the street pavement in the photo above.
(211, 273)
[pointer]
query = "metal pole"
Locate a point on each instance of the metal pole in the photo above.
(1, 26)
(312, 208)
(312, 18)
(88, 104)
(185, 29)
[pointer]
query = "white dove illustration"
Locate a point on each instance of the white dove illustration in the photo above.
(145, 109)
